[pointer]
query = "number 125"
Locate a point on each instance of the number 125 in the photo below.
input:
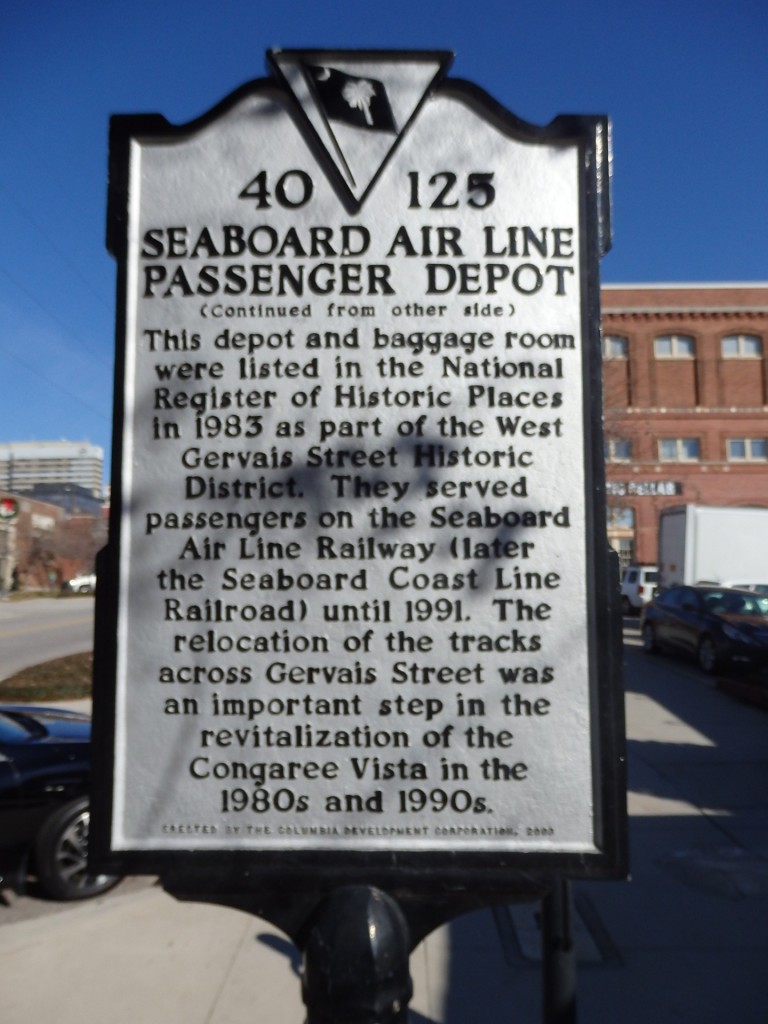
(444, 190)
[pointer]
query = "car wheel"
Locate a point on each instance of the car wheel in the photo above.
(650, 646)
(61, 855)
(626, 606)
(707, 654)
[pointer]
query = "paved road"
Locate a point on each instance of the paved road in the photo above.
(41, 629)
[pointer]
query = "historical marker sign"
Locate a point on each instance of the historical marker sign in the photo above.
(359, 583)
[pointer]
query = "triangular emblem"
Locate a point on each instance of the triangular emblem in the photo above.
(358, 105)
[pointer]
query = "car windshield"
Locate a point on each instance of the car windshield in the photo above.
(736, 602)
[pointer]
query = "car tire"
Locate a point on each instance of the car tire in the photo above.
(626, 606)
(650, 645)
(61, 855)
(707, 655)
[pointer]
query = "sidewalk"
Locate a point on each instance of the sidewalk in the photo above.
(685, 940)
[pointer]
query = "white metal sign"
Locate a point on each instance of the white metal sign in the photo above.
(356, 534)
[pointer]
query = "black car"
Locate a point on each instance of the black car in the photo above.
(44, 816)
(720, 626)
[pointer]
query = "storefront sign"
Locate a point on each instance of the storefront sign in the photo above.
(643, 488)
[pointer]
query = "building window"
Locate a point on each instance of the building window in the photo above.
(615, 346)
(747, 449)
(620, 518)
(679, 449)
(618, 450)
(626, 551)
(674, 346)
(741, 346)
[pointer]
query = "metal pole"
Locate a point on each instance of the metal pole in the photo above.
(355, 970)
(558, 955)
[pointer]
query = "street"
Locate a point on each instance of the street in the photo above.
(41, 629)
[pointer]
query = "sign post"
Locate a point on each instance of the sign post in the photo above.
(360, 625)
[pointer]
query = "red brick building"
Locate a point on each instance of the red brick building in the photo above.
(44, 545)
(686, 403)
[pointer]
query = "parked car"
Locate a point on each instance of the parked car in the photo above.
(721, 627)
(83, 584)
(44, 815)
(638, 586)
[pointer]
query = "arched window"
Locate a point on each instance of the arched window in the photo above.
(674, 346)
(741, 346)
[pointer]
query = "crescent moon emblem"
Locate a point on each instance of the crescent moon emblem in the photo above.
(323, 74)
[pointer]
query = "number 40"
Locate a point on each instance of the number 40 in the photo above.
(292, 189)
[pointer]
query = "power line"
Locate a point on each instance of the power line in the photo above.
(53, 246)
(54, 319)
(54, 384)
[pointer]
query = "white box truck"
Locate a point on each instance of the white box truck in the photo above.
(713, 544)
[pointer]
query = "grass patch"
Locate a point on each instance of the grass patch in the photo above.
(62, 679)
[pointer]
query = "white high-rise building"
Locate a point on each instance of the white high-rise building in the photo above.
(26, 463)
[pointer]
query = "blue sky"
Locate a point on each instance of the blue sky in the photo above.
(685, 83)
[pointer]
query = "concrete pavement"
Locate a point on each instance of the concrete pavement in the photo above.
(685, 940)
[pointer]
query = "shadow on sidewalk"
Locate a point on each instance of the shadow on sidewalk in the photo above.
(481, 973)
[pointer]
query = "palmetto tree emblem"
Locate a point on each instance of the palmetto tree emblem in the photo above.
(358, 93)
(351, 99)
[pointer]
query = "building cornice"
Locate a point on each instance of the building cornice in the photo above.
(686, 301)
(682, 285)
(691, 313)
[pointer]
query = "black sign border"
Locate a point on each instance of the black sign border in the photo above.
(280, 885)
